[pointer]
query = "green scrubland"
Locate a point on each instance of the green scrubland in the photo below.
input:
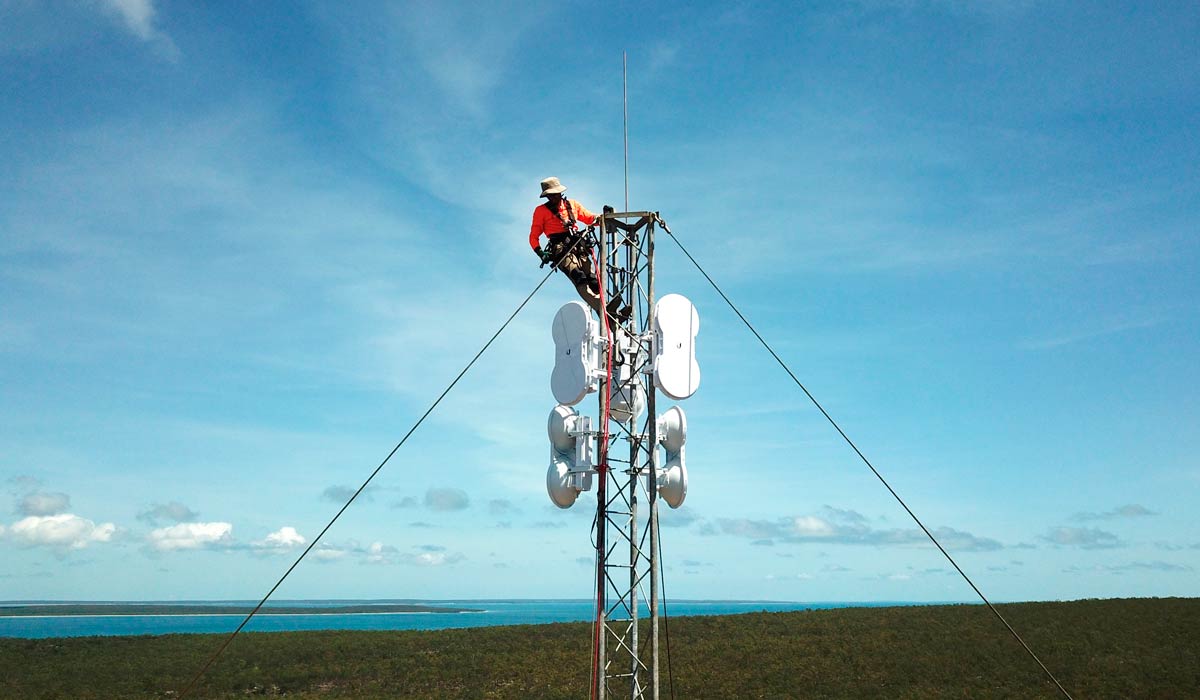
(1130, 648)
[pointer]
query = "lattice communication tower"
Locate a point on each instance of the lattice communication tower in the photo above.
(631, 454)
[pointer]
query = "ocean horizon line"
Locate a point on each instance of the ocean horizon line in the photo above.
(361, 601)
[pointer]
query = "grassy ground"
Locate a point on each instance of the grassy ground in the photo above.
(1138, 648)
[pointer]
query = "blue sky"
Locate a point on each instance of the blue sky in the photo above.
(242, 248)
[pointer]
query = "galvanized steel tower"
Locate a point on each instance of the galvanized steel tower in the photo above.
(628, 363)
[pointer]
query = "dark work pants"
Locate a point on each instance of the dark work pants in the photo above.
(577, 266)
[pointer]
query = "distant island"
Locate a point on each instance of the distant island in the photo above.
(78, 609)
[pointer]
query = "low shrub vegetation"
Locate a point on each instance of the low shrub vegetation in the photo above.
(1133, 648)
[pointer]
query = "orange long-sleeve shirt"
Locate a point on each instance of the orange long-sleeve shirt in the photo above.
(545, 222)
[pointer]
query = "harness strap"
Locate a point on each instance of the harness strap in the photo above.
(569, 223)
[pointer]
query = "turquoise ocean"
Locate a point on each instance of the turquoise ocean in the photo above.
(490, 613)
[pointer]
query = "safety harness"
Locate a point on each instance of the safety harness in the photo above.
(569, 223)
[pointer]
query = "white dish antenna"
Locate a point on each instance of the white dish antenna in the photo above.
(571, 455)
(672, 429)
(558, 485)
(676, 324)
(576, 354)
(628, 402)
(673, 478)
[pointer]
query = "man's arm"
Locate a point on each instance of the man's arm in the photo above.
(582, 214)
(535, 229)
(535, 235)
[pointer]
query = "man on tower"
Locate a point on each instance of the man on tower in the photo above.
(558, 219)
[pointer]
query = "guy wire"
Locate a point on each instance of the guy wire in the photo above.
(865, 460)
(191, 684)
(662, 580)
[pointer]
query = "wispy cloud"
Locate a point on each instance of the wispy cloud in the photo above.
(1161, 566)
(499, 507)
(837, 526)
(339, 493)
(138, 16)
(1132, 510)
(1082, 537)
(174, 512)
(425, 556)
(23, 483)
(1175, 547)
(683, 516)
(447, 499)
(44, 503)
(1092, 332)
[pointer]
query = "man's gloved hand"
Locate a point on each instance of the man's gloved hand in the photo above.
(542, 255)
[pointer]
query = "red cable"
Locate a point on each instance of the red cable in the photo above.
(602, 468)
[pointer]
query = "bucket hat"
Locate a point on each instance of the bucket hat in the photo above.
(551, 185)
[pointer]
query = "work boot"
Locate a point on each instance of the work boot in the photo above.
(613, 305)
(618, 313)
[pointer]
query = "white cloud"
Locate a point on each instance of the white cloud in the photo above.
(433, 558)
(43, 503)
(384, 554)
(64, 531)
(811, 526)
(284, 538)
(380, 553)
(329, 552)
(191, 536)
